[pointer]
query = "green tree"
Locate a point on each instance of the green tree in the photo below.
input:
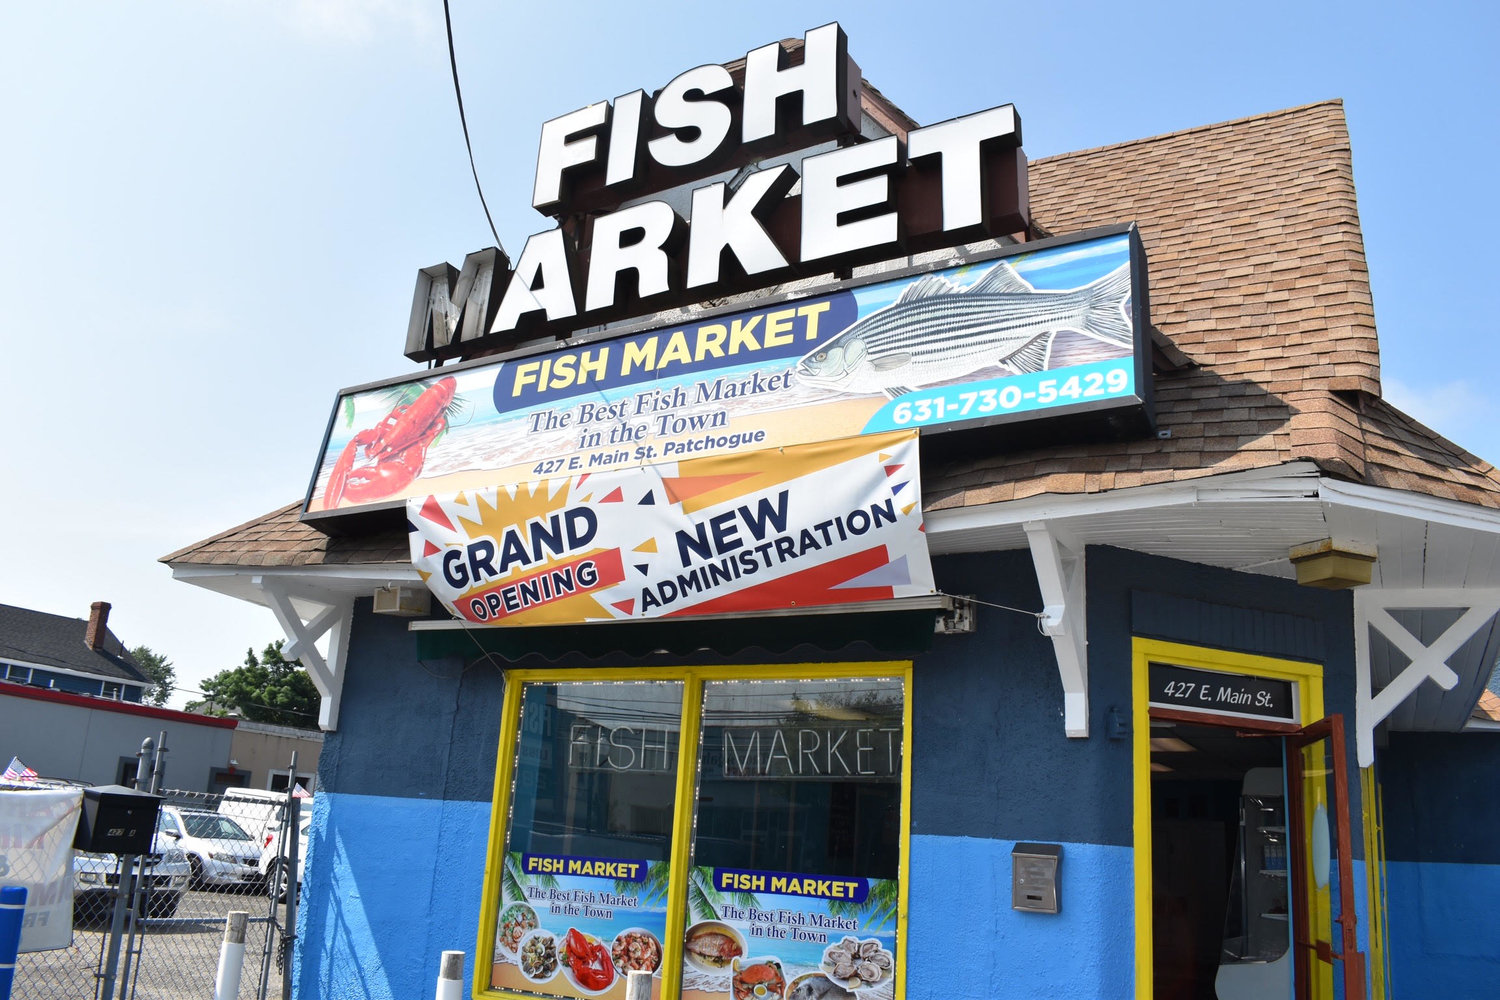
(268, 688)
(157, 667)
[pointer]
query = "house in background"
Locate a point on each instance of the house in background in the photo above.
(71, 706)
(68, 654)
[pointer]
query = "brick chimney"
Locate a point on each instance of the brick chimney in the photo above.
(93, 636)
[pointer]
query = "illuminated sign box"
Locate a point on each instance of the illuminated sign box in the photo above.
(1036, 331)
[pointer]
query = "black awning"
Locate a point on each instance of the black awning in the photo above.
(899, 632)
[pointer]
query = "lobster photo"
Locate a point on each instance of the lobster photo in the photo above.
(382, 460)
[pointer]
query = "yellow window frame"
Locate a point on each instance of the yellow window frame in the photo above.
(1308, 678)
(693, 679)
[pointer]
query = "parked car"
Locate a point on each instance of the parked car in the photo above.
(95, 877)
(256, 809)
(218, 849)
(273, 866)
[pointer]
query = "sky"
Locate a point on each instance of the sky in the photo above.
(212, 215)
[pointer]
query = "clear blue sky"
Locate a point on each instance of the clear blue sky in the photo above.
(212, 215)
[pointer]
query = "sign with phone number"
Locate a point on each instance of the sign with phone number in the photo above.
(1101, 380)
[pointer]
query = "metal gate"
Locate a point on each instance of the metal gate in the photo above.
(211, 856)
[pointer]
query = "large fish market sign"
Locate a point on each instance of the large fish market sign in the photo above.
(859, 200)
(1044, 329)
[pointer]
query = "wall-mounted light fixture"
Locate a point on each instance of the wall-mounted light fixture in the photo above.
(403, 602)
(1333, 565)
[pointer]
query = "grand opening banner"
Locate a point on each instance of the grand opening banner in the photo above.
(835, 522)
(1038, 332)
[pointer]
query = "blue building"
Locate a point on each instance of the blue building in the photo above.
(1188, 712)
(68, 654)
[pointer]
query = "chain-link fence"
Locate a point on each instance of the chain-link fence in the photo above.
(211, 855)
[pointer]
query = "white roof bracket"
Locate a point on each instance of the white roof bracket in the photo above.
(1372, 609)
(1058, 558)
(301, 637)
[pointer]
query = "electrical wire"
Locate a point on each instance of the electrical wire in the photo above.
(1038, 615)
(463, 120)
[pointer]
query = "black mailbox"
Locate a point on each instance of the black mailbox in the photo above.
(117, 820)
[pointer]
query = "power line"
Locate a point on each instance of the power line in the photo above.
(463, 120)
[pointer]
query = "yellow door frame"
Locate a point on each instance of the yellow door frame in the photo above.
(1308, 679)
(693, 679)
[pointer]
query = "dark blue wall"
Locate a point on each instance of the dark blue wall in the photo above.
(989, 755)
(1442, 838)
(1442, 797)
(987, 721)
(1131, 594)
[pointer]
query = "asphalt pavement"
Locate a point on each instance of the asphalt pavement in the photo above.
(178, 959)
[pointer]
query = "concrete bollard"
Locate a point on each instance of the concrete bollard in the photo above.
(638, 985)
(450, 984)
(231, 956)
(12, 908)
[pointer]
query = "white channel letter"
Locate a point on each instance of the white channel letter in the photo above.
(718, 223)
(957, 143)
(544, 257)
(624, 138)
(675, 110)
(825, 198)
(565, 145)
(647, 257)
(817, 79)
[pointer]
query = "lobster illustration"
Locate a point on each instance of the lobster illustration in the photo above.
(393, 450)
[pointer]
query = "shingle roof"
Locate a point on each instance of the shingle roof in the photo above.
(281, 539)
(1257, 274)
(40, 639)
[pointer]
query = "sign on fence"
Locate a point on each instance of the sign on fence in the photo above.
(36, 851)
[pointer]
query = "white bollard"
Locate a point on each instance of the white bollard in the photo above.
(231, 956)
(450, 984)
(638, 985)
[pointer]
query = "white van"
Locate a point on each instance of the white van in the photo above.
(258, 810)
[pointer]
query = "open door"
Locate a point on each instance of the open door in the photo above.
(1326, 957)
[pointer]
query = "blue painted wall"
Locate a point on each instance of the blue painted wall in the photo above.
(1442, 837)
(1131, 594)
(405, 784)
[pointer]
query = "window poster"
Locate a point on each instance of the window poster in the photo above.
(583, 885)
(574, 926)
(759, 935)
(793, 894)
(792, 790)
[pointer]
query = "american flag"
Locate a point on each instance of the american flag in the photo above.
(300, 793)
(17, 772)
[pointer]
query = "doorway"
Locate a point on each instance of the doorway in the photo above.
(1242, 854)
(1221, 900)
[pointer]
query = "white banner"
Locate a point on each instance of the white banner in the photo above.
(836, 522)
(36, 851)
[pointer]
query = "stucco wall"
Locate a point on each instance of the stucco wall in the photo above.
(1441, 794)
(413, 764)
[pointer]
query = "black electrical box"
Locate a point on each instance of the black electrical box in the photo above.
(117, 820)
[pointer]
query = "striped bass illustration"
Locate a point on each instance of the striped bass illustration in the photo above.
(936, 332)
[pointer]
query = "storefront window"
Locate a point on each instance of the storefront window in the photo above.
(796, 848)
(584, 875)
(764, 864)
